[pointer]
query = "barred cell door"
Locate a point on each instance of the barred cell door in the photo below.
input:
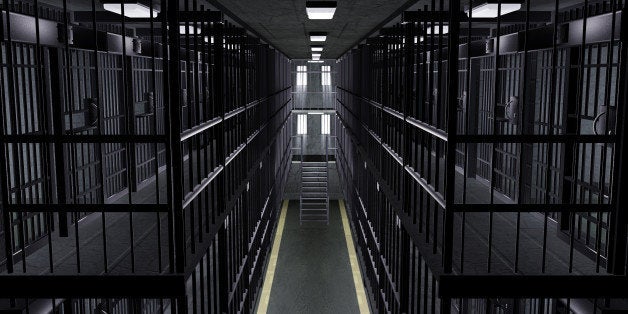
(87, 98)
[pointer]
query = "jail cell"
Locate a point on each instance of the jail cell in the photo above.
(537, 120)
(25, 113)
(499, 166)
(148, 104)
(532, 105)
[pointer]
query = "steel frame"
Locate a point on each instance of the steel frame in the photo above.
(184, 141)
(431, 164)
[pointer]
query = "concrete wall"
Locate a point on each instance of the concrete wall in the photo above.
(314, 141)
(314, 94)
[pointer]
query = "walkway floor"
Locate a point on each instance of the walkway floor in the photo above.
(313, 272)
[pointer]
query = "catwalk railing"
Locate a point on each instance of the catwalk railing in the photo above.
(494, 184)
(143, 159)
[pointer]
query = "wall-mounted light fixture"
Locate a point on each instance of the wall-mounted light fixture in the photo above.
(189, 30)
(320, 10)
(132, 9)
(318, 36)
(489, 8)
(317, 48)
(137, 45)
(437, 30)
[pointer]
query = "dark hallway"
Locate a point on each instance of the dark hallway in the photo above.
(308, 156)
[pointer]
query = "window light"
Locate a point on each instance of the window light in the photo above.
(316, 36)
(325, 124)
(326, 77)
(320, 10)
(132, 9)
(302, 124)
(301, 75)
(489, 9)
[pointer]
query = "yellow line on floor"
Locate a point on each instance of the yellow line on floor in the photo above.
(272, 263)
(353, 260)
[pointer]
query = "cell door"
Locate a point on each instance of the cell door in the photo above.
(24, 108)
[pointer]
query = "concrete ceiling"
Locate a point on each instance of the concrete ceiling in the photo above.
(285, 25)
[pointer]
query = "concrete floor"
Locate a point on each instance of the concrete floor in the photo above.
(313, 273)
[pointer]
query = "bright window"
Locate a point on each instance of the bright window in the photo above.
(326, 77)
(302, 124)
(301, 75)
(325, 124)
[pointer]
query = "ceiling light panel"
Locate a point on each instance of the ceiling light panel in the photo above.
(315, 48)
(131, 9)
(320, 10)
(318, 36)
(489, 9)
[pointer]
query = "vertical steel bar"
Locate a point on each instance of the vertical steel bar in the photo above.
(617, 218)
(452, 132)
(495, 128)
(174, 133)
(101, 127)
(4, 181)
(522, 122)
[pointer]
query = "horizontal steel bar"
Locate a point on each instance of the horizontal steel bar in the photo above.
(234, 112)
(428, 128)
(84, 286)
(532, 286)
(42, 138)
(427, 187)
(199, 188)
(200, 128)
(544, 208)
(234, 154)
(72, 208)
(534, 138)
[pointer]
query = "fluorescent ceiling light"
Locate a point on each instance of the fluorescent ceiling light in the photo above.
(190, 30)
(437, 30)
(131, 10)
(315, 112)
(316, 36)
(317, 48)
(315, 61)
(316, 55)
(489, 10)
(320, 10)
(316, 58)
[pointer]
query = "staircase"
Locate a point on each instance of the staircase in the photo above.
(314, 193)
